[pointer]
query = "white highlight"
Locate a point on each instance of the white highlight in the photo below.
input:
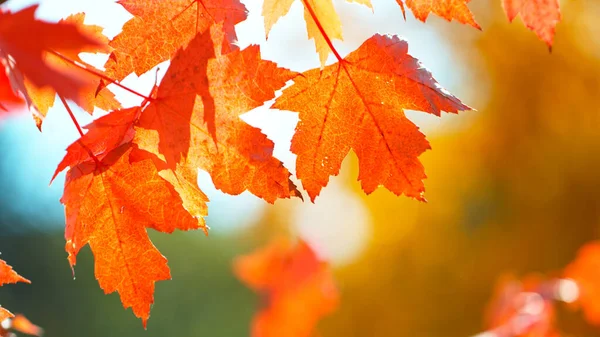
(6, 324)
(337, 226)
(486, 334)
(567, 290)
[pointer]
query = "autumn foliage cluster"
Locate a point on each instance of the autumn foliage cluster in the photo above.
(136, 167)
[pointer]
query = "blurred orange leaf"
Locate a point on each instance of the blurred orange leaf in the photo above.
(20, 323)
(298, 289)
(522, 308)
(585, 271)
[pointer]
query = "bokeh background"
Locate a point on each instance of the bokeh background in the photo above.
(512, 187)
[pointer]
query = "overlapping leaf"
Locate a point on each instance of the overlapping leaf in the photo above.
(159, 28)
(29, 42)
(9, 100)
(109, 203)
(43, 98)
(359, 104)
(104, 135)
(540, 16)
(299, 289)
(194, 120)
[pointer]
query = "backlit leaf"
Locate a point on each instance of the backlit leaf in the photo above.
(359, 104)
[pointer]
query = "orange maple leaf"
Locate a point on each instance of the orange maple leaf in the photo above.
(585, 271)
(28, 42)
(43, 98)
(359, 104)
(447, 9)
(108, 205)
(165, 26)
(7, 276)
(540, 16)
(194, 120)
(298, 288)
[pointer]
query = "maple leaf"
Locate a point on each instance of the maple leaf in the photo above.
(108, 205)
(585, 271)
(9, 100)
(194, 120)
(297, 287)
(163, 27)
(104, 135)
(540, 16)
(359, 104)
(43, 98)
(28, 55)
(7, 276)
(327, 21)
(447, 9)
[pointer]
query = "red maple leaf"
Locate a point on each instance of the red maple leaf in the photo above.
(9, 99)
(27, 45)
(91, 96)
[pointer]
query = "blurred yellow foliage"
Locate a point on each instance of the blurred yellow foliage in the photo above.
(514, 191)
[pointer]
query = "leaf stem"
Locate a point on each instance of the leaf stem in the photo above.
(62, 99)
(101, 75)
(322, 30)
(90, 153)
